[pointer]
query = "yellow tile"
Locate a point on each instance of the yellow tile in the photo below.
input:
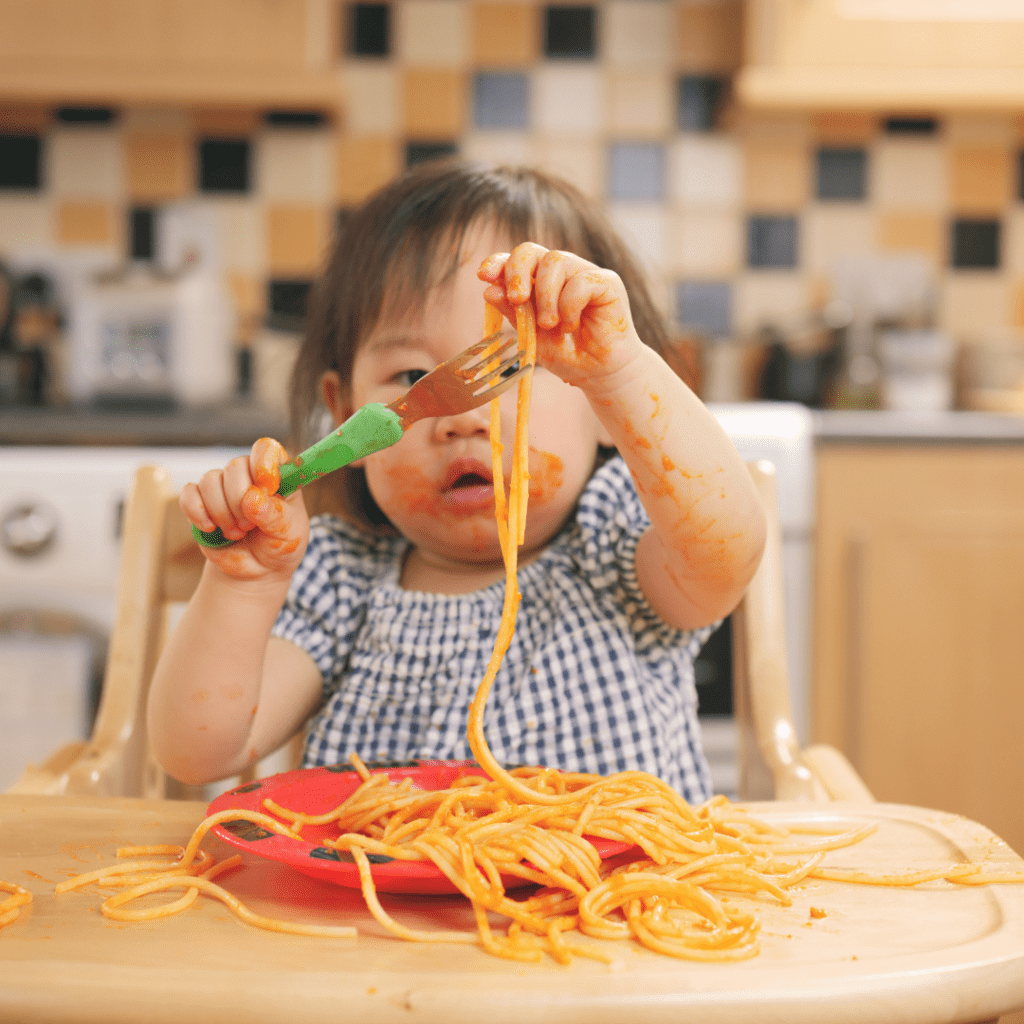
(504, 35)
(845, 126)
(86, 223)
(365, 163)
(912, 232)
(297, 238)
(24, 118)
(776, 176)
(981, 179)
(158, 167)
(225, 121)
(710, 36)
(435, 104)
(1018, 305)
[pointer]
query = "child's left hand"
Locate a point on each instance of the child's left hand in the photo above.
(585, 330)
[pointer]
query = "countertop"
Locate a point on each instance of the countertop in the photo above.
(874, 426)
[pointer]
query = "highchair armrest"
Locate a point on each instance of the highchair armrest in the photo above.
(835, 773)
(76, 769)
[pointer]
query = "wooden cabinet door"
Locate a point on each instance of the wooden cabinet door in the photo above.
(919, 633)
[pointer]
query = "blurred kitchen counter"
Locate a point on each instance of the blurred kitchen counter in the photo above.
(873, 425)
(235, 424)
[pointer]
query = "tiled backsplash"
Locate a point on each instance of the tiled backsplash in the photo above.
(738, 216)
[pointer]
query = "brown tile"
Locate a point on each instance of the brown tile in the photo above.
(365, 163)
(24, 118)
(981, 179)
(85, 223)
(157, 167)
(504, 35)
(710, 36)
(435, 103)
(225, 121)
(776, 175)
(297, 239)
(845, 126)
(912, 232)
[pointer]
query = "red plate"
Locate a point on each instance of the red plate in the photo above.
(317, 790)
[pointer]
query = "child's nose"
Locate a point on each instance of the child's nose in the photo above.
(463, 424)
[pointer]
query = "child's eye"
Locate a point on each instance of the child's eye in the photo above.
(408, 377)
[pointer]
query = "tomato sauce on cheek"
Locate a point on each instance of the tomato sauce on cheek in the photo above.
(546, 473)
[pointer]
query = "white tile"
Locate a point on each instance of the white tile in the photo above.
(831, 232)
(762, 297)
(580, 161)
(84, 163)
(242, 227)
(568, 99)
(431, 33)
(514, 148)
(26, 222)
(372, 98)
(645, 230)
(705, 171)
(295, 165)
(706, 244)
(909, 174)
(641, 104)
(638, 32)
(973, 303)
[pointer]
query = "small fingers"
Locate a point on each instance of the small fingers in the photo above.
(265, 463)
(221, 492)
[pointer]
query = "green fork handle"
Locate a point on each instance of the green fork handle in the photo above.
(368, 430)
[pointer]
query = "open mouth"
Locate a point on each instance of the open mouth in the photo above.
(469, 480)
(468, 485)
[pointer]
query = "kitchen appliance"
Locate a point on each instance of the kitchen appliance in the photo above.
(60, 516)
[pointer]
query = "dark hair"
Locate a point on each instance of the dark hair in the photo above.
(385, 258)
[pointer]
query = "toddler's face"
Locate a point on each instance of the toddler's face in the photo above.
(435, 485)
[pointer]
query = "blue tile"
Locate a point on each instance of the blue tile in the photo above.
(842, 173)
(705, 306)
(636, 171)
(698, 98)
(502, 100)
(772, 242)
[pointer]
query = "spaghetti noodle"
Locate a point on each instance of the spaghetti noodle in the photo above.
(530, 824)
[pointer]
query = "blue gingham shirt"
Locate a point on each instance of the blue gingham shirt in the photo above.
(593, 680)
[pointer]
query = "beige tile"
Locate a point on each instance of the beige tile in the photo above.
(86, 223)
(775, 127)
(1013, 241)
(641, 104)
(777, 176)
(569, 99)
(24, 117)
(156, 121)
(225, 122)
(709, 35)
(829, 233)
(1017, 310)
(26, 222)
(295, 165)
(435, 103)
(769, 297)
(638, 33)
(85, 163)
(644, 227)
(979, 129)
(504, 35)
(580, 161)
(763, 297)
(981, 179)
(845, 127)
(910, 174)
(249, 297)
(373, 98)
(297, 238)
(365, 163)
(512, 148)
(158, 168)
(432, 33)
(242, 232)
(706, 244)
(973, 302)
(924, 233)
(706, 171)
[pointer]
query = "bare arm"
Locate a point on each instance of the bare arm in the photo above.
(225, 693)
(708, 526)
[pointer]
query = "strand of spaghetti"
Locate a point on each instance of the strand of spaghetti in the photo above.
(10, 909)
(109, 875)
(960, 872)
(493, 320)
(526, 327)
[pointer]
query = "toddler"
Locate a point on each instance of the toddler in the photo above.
(377, 623)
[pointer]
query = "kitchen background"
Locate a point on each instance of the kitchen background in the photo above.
(170, 175)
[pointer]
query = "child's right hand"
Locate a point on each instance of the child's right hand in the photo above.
(271, 532)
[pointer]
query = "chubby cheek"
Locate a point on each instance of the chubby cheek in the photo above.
(546, 475)
(401, 488)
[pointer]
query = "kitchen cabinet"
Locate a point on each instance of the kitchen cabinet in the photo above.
(883, 54)
(257, 52)
(918, 662)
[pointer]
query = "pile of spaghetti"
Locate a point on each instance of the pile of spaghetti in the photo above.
(529, 825)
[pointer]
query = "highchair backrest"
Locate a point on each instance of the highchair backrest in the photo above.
(160, 568)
